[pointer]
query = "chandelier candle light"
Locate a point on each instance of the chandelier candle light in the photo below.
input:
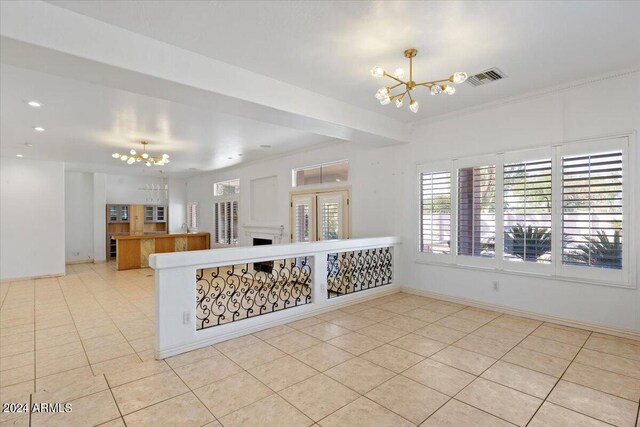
(134, 157)
(436, 87)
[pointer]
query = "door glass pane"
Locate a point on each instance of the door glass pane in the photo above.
(330, 227)
(301, 222)
(113, 213)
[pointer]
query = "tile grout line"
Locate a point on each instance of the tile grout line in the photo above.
(75, 327)
(490, 366)
(558, 381)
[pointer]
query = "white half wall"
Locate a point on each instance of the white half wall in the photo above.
(593, 110)
(32, 222)
(79, 216)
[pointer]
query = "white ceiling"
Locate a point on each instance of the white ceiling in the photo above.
(325, 47)
(86, 123)
(329, 47)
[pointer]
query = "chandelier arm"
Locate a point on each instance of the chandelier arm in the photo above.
(431, 83)
(395, 86)
(410, 97)
(394, 78)
(399, 95)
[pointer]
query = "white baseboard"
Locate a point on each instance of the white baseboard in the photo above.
(266, 324)
(43, 276)
(624, 333)
(80, 261)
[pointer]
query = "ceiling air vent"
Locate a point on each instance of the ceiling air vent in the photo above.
(485, 77)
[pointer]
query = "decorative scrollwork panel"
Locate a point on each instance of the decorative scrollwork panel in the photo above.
(354, 271)
(231, 293)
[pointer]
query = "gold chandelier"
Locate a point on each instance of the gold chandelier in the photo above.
(134, 157)
(436, 87)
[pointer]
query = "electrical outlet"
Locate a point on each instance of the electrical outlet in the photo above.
(186, 317)
(496, 285)
(76, 254)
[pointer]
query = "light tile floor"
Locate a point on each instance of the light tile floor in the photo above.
(399, 360)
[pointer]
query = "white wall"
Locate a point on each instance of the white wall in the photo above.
(128, 189)
(78, 216)
(99, 197)
(177, 204)
(598, 109)
(372, 175)
(32, 221)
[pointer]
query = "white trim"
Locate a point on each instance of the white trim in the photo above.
(595, 327)
(24, 278)
(259, 323)
(242, 254)
(455, 115)
(585, 281)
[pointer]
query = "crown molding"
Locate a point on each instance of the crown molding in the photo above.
(525, 97)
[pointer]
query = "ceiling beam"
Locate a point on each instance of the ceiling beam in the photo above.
(46, 38)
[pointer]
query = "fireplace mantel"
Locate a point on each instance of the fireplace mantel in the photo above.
(273, 232)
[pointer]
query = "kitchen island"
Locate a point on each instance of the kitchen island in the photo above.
(133, 249)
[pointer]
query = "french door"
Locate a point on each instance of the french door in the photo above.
(322, 215)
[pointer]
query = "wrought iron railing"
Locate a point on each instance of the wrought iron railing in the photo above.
(354, 271)
(231, 293)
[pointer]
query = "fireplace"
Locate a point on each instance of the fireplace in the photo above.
(264, 266)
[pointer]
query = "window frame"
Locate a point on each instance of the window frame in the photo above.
(192, 216)
(294, 183)
(594, 273)
(556, 270)
(230, 198)
(479, 161)
(441, 166)
(527, 156)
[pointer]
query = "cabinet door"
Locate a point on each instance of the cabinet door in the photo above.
(124, 213)
(161, 214)
(112, 213)
(149, 213)
(136, 219)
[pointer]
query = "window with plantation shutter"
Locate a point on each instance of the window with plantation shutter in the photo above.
(192, 216)
(592, 210)
(527, 211)
(226, 222)
(560, 211)
(226, 195)
(477, 211)
(435, 212)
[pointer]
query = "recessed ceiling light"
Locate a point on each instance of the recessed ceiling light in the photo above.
(34, 104)
(193, 169)
(265, 146)
(19, 155)
(28, 144)
(240, 155)
(38, 129)
(230, 158)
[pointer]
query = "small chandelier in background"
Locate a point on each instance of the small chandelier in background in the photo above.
(435, 87)
(134, 157)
